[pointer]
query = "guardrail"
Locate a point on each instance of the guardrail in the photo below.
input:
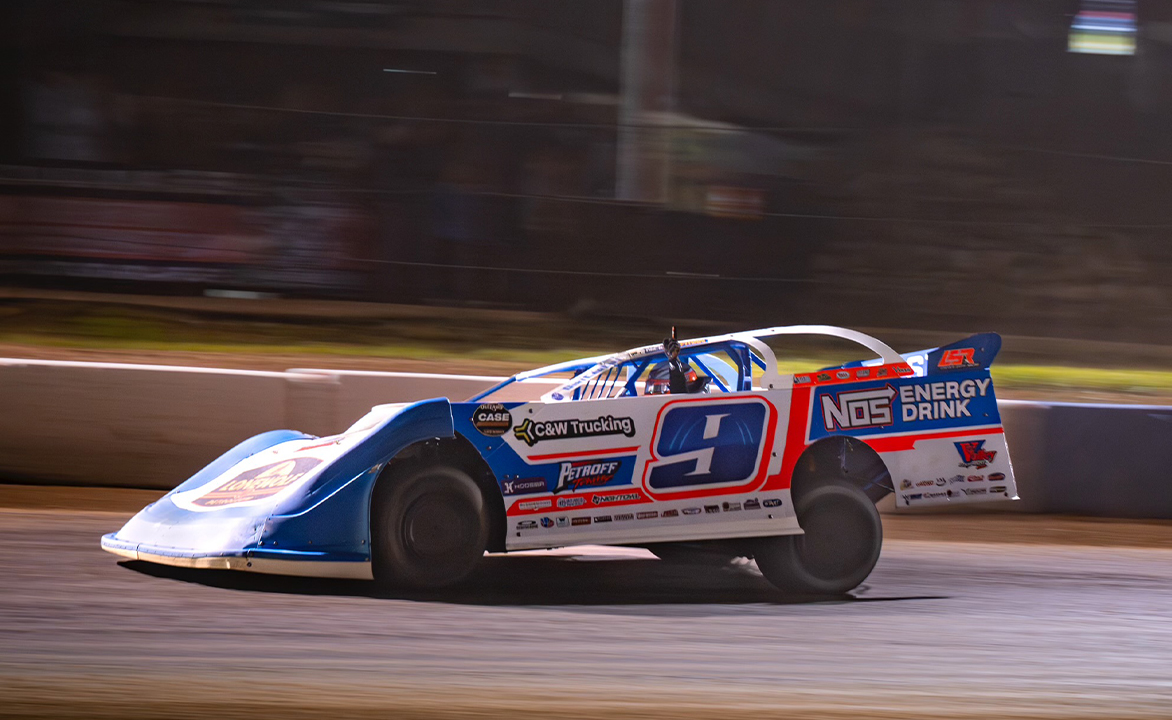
(152, 426)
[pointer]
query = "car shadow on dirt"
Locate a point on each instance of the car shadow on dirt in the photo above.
(545, 580)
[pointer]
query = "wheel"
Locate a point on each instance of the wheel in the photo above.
(429, 527)
(841, 544)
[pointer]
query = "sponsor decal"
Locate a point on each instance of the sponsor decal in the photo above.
(823, 377)
(546, 522)
(974, 491)
(957, 359)
(709, 509)
(996, 477)
(571, 502)
(623, 516)
(857, 409)
(925, 483)
(998, 489)
(940, 400)
(523, 486)
(563, 522)
(492, 419)
(903, 370)
(752, 504)
(905, 484)
(647, 515)
(258, 483)
(863, 373)
(527, 525)
(574, 476)
(916, 496)
(801, 379)
(575, 522)
(535, 504)
(534, 431)
(601, 519)
(975, 478)
(732, 506)
(973, 454)
(881, 372)
(772, 502)
(621, 497)
(941, 481)
(691, 511)
(934, 495)
(671, 513)
(956, 479)
(842, 375)
(707, 444)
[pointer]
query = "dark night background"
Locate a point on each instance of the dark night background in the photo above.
(914, 163)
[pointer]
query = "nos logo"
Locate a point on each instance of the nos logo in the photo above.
(707, 443)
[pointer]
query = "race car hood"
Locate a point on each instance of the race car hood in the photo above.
(283, 491)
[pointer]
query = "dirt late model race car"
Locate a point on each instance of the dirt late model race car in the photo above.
(783, 468)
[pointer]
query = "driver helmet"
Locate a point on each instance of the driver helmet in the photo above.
(659, 379)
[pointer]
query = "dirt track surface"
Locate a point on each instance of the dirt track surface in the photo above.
(942, 628)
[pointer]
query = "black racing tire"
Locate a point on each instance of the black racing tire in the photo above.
(429, 527)
(842, 541)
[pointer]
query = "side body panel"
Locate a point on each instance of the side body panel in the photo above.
(693, 467)
(639, 469)
(283, 501)
(939, 434)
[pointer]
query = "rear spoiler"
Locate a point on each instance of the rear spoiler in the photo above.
(975, 351)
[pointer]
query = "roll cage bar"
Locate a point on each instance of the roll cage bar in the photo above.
(746, 349)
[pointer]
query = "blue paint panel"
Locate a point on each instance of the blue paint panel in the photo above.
(707, 444)
(517, 478)
(332, 515)
(246, 449)
(897, 405)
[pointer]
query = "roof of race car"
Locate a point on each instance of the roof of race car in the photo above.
(588, 368)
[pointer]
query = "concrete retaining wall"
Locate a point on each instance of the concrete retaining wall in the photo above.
(153, 426)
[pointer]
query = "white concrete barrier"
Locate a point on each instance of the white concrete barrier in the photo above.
(134, 425)
(156, 425)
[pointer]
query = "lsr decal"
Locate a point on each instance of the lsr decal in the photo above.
(707, 444)
(957, 358)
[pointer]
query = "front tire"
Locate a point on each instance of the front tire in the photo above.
(429, 527)
(842, 540)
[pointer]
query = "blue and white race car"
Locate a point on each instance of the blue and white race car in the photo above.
(784, 468)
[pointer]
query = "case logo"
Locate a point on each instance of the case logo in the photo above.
(492, 419)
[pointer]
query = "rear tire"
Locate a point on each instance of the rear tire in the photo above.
(842, 540)
(429, 527)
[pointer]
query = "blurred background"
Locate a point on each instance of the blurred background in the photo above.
(921, 164)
